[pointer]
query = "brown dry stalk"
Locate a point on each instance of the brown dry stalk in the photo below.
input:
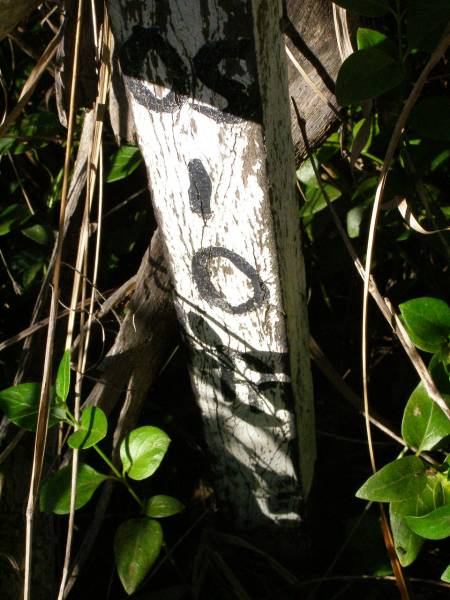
(44, 401)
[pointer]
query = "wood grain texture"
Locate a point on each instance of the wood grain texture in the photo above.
(310, 35)
(208, 91)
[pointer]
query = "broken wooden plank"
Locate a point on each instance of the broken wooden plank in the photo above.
(208, 91)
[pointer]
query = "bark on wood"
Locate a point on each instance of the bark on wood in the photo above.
(145, 338)
(220, 160)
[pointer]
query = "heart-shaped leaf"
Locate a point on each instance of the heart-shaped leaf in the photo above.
(163, 506)
(20, 404)
(424, 424)
(367, 74)
(142, 451)
(93, 428)
(137, 545)
(428, 322)
(396, 481)
(407, 543)
(433, 526)
(55, 493)
(62, 383)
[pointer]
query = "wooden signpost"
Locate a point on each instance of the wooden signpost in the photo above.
(208, 89)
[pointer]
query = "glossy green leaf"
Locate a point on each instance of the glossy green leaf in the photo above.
(367, 74)
(427, 321)
(439, 368)
(446, 575)
(425, 22)
(366, 8)
(20, 403)
(432, 526)
(62, 383)
(37, 233)
(137, 545)
(306, 173)
(430, 118)
(93, 428)
(55, 493)
(424, 424)
(142, 451)
(12, 214)
(163, 506)
(407, 543)
(315, 199)
(369, 38)
(395, 481)
(123, 163)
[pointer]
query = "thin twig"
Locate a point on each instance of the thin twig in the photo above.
(44, 401)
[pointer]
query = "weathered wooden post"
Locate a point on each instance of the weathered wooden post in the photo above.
(208, 89)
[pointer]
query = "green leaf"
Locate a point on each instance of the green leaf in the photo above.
(424, 424)
(163, 506)
(55, 494)
(428, 322)
(142, 451)
(430, 118)
(367, 74)
(93, 428)
(123, 163)
(439, 368)
(315, 199)
(37, 233)
(20, 404)
(10, 215)
(446, 575)
(433, 526)
(425, 22)
(395, 481)
(62, 383)
(137, 545)
(367, 38)
(366, 8)
(407, 543)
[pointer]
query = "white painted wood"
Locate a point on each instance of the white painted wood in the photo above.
(222, 176)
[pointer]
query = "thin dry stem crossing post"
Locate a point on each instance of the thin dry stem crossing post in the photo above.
(207, 85)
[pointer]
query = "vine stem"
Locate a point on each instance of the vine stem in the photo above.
(118, 474)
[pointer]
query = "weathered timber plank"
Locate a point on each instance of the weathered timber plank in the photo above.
(311, 37)
(208, 91)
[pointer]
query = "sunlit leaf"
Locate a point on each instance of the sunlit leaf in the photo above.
(123, 163)
(137, 545)
(396, 481)
(142, 451)
(37, 233)
(20, 403)
(62, 383)
(163, 506)
(427, 321)
(407, 543)
(93, 428)
(55, 493)
(433, 526)
(424, 424)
